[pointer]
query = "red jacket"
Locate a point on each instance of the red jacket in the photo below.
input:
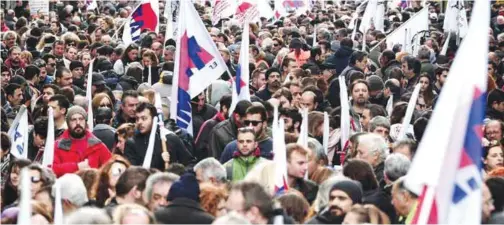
(67, 155)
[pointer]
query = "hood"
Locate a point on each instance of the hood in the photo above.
(129, 79)
(343, 51)
(103, 127)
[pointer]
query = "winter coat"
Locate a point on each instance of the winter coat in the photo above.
(238, 167)
(387, 69)
(264, 94)
(136, 148)
(183, 211)
(202, 148)
(308, 188)
(221, 135)
(200, 117)
(106, 134)
(119, 119)
(340, 59)
(381, 200)
(325, 217)
(494, 114)
(68, 152)
(265, 146)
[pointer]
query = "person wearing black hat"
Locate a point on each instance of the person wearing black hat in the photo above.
(97, 82)
(273, 79)
(184, 204)
(102, 130)
(342, 196)
(77, 69)
(495, 105)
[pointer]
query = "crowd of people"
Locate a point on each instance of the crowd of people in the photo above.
(223, 172)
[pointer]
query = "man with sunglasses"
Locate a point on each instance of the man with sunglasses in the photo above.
(257, 120)
(246, 157)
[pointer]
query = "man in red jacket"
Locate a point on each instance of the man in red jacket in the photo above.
(77, 148)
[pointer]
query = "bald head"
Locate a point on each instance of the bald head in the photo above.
(308, 100)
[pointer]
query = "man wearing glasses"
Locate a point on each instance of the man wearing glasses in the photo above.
(257, 120)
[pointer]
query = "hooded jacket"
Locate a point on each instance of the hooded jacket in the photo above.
(340, 59)
(68, 152)
(201, 144)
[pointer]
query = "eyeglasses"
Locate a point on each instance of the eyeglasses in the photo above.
(106, 105)
(276, 45)
(52, 64)
(253, 122)
(35, 179)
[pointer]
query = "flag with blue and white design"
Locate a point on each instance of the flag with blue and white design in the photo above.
(144, 17)
(241, 81)
(446, 171)
(197, 64)
(19, 134)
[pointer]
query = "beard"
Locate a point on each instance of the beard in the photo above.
(77, 134)
(275, 84)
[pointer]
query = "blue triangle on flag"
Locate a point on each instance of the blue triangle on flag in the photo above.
(458, 194)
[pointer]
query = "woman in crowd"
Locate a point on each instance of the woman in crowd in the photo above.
(108, 175)
(427, 95)
(493, 157)
(10, 189)
(213, 199)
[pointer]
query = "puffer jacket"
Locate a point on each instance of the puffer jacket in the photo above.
(68, 152)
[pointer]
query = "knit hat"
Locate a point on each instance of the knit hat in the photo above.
(76, 64)
(186, 187)
(375, 83)
(74, 110)
(352, 188)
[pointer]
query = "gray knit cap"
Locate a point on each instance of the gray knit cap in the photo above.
(73, 110)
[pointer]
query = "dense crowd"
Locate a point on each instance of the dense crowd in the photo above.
(223, 173)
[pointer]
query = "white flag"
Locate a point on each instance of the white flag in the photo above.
(325, 139)
(345, 113)
(409, 112)
(150, 148)
(455, 18)
(25, 208)
(48, 157)
(19, 134)
(280, 154)
(89, 97)
(303, 134)
(58, 208)
(222, 9)
(409, 33)
(241, 89)
(145, 16)
(91, 5)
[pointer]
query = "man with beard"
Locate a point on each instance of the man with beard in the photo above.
(64, 78)
(247, 156)
(14, 96)
(201, 111)
(202, 139)
(376, 87)
(360, 95)
(388, 62)
(342, 196)
(441, 75)
(273, 84)
(14, 62)
(292, 119)
(50, 65)
(411, 69)
(136, 147)
(256, 119)
(77, 148)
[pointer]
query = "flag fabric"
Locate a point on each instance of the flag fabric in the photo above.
(449, 187)
(242, 79)
(445, 45)
(170, 13)
(280, 154)
(25, 208)
(252, 10)
(345, 113)
(409, 112)
(455, 18)
(373, 15)
(150, 148)
(222, 9)
(19, 134)
(314, 36)
(390, 105)
(279, 10)
(303, 134)
(89, 97)
(145, 16)
(325, 138)
(58, 208)
(48, 157)
(408, 34)
(91, 4)
(197, 64)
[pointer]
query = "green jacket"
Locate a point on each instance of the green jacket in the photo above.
(238, 167)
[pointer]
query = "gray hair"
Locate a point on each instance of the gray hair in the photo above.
(88, 215)
(500, 37)
(325, 33)
(231, 218)
(396, 166)
(378, 121)
(375, 145)
(156, 178)
(317, 149)
(210, 167)
(81, 101)
(322, 198)
(170, 48)
(424, 52)
(72, 189)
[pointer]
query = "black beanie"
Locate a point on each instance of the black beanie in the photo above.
(352, 188)
(76, 64)
(186, 187)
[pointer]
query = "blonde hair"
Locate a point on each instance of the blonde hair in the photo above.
(369, 214)
(262, 174)
(123, 210)
(152, 55)
(98, 98)
(27, 56)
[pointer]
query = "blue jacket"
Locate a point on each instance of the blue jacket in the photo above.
(340, 59)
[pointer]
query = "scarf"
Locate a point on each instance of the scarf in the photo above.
(243, 164)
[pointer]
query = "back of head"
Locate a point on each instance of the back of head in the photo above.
(360, 170)
(72, 189)
(88, 215)
(133, 176)
(211, 168)
(396, 166)
(241, 107)
(254, 195)
(232, 218)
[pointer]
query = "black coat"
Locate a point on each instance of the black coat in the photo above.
(264, 94)
(308, 188)
(200, 117)
(340, 58)
(382, 201)
(221, 135)
(128, 83)
(201, 145)
(106, 134)
(136, 149)
(325, 217)
(183, 211)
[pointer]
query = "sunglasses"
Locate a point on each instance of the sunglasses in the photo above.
(276, 45)
(253, 122)
(35, 179)
(106, 105)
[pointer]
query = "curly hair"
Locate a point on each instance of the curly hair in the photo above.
(211, 196)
